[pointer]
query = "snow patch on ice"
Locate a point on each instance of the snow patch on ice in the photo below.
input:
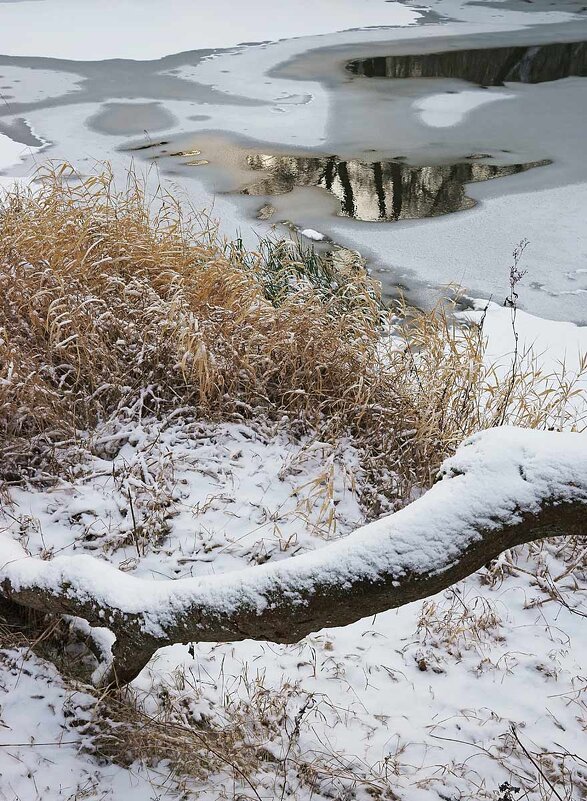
(310, 233)
(447, 109)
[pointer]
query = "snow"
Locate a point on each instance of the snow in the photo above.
(45, 750)
(554, 346)
(310, 233)
(476, 248)
(555, 341)
(386, 694)
(112, 29)
(257, 478)
(12, 152)
(447, 109)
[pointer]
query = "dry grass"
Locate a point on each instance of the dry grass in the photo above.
(112, 307)
(252, 743)
(116, 306)
(458, 623)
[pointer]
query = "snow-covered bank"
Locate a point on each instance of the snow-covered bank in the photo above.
(421, 703)
(11, 154)
(554, 347)
(555, 343)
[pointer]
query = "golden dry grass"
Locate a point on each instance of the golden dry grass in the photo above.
(116, 305)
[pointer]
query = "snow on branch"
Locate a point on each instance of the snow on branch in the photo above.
(504, 487)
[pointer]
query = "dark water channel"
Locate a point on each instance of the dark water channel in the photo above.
(380, 190)
(484, 66)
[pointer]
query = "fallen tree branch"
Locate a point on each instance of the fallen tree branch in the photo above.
(504, 487)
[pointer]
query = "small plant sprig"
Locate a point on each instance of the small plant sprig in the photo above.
(507, 792)
(511, 301)
(516, 274)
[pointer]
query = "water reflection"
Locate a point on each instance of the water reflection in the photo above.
(486, 66)
(381, 190)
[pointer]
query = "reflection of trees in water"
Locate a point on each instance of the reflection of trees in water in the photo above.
(382, 190)
(486, 66)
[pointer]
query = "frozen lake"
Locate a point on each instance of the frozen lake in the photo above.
(432, 139)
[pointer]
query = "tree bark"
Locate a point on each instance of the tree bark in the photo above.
(503, 488)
